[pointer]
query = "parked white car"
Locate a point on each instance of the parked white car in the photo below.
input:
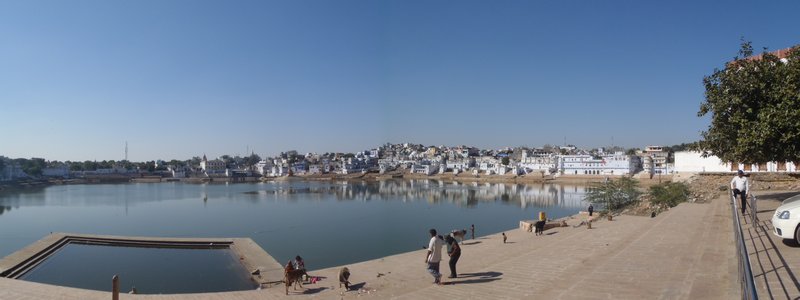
(786, 219)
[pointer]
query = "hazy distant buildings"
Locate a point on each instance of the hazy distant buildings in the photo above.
(212, 166)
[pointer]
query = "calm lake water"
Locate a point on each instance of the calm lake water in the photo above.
(150, 270)
(327, 223)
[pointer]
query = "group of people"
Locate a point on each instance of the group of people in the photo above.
(434, 254)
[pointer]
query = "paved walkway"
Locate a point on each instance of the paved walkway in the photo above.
(775, 262)
(685, 253)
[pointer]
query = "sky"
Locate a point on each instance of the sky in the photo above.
(177, 79)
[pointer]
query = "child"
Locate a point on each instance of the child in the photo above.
(299, 264)
(504, 237)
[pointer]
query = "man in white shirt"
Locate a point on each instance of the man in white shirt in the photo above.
(434, 256)
(740, 186)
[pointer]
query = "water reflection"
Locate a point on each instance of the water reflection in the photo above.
(435, 191)
(395, 214)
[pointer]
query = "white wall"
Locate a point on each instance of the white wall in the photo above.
(692, 161)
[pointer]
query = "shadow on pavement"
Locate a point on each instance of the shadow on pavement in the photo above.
(314, 290)
(477, 280)
(791, 243)
(481, 274)
(357, 286)
(480, 277)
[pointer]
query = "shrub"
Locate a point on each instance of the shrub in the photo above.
(670, 194)
(614, 194)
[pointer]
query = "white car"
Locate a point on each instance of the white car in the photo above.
(786, 219)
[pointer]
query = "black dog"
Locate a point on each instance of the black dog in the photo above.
(539, 225)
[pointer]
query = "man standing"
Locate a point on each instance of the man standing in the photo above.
(740, 185)
(434, 256)
(591, 209)
(472, 228)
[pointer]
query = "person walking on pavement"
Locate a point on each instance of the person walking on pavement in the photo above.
(434, 256)
(740, 186)
(454, 251)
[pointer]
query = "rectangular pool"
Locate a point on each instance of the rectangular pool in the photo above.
(151, 270)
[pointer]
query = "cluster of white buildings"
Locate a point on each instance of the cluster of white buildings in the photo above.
(430, 160)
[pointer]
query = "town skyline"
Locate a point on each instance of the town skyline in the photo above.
(125, 151)
(178, 79)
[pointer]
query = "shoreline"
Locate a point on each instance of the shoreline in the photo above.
(22, 185)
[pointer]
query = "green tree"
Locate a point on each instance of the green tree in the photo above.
(754, 103)
(614, 194)
(33, 166)
(670, 193)
(252, 159)
(504, 160)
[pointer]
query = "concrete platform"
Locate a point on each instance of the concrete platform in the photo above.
(684, 253)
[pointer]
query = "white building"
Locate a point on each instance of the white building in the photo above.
(460, 164)
(11, 171)
(538, 161)
(212, 166)
(487, 163)
(422, 169)
(616, 164)
(264, 167)
(279, 170)
(693, 161)
(654, 160)
(58, 171)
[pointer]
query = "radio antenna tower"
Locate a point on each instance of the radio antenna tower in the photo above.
(126, 150)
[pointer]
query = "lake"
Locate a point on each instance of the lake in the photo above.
(327, 223)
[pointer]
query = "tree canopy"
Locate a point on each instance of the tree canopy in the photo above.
(754, 104)
(614, 194)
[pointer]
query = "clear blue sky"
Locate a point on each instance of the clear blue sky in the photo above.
(177, 79)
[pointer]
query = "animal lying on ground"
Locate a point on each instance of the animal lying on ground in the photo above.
(459, 235)
(539, 225)
(344, 278)
(292, 276)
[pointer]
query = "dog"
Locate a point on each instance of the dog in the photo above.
(344, 278)
(539, 225)
(292, 276)
(459, 235)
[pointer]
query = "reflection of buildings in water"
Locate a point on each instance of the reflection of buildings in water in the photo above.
(435, 191)
(4, 209)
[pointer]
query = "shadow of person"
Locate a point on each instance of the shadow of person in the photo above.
(314, 290)
(357, 286)
(480, 274)
(551, 233)
(472, 243)
(468, 281)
